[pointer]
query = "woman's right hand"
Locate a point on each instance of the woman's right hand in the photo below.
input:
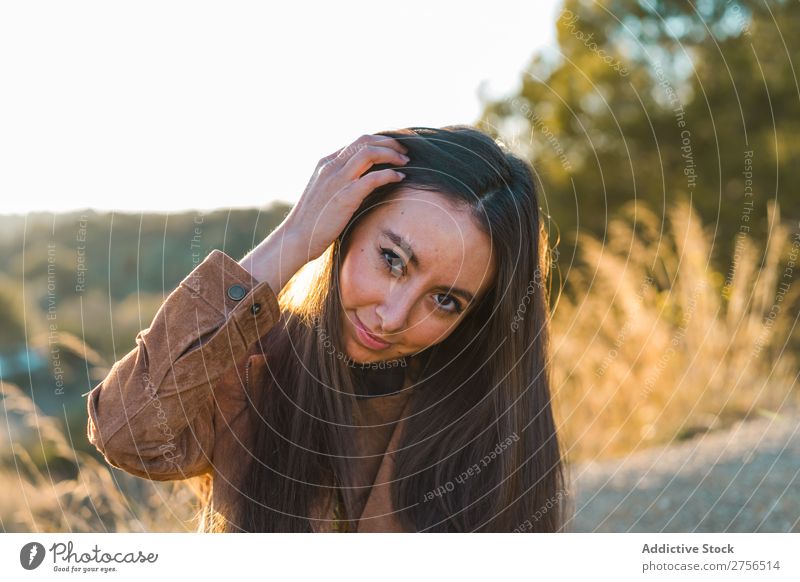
(337, 189)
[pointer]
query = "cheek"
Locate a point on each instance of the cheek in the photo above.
(429, 331)
(357, 279)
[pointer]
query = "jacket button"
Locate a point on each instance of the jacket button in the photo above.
(255, 308)
(236, 292)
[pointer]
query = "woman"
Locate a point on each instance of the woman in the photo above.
(377, 363)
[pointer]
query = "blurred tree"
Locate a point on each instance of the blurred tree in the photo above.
(656, 100)
(12, 324)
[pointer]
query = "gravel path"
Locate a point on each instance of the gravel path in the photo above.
(742, 479)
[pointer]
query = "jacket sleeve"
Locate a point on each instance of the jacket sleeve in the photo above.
(153, 414)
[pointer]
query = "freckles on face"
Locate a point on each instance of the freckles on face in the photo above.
(410, 268)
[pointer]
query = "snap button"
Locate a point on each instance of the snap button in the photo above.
(236, 292)
(255, 308)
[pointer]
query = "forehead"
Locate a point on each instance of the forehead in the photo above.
(451, 248)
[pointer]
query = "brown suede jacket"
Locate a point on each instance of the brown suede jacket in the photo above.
(175, 406)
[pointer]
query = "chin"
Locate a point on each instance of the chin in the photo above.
(356, 353)
(361, 355)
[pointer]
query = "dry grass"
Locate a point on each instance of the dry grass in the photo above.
(651, 344)
(48, 486)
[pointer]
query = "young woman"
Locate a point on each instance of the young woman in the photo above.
(377, 363)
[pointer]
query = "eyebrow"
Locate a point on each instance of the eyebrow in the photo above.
(406, 246)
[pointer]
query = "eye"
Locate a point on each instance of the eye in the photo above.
(457, 307)
(394, 262)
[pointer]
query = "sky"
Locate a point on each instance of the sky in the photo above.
(167, 106)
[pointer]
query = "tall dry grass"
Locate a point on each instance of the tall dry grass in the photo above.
(651, 344)
(49, 486)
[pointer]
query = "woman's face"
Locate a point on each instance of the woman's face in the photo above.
(410, 268)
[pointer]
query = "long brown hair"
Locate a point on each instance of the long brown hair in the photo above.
(483, 393)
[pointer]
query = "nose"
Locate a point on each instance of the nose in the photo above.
(393, 311)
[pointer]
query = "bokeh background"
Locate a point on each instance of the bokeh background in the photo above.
(664, 136)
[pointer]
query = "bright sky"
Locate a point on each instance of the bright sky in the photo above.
(165, 105)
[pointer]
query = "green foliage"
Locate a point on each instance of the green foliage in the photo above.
(659, 101)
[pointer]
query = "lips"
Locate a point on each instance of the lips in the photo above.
(379, 343)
